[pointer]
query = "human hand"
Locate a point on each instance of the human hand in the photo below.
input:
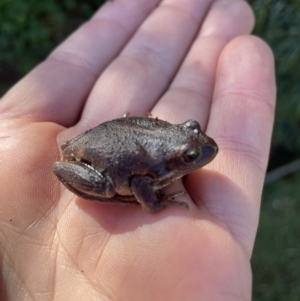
(185, 59)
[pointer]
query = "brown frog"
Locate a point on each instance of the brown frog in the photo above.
(130, 159)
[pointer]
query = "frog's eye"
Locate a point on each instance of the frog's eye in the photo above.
(191, 155)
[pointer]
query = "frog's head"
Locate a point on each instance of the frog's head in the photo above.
(189, 149)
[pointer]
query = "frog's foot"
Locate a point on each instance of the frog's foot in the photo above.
(146, 114)
(170, 196)
(151, 200)
(169, 199)
(165, 204)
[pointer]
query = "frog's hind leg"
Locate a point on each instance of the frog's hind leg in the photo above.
(96, 198)
(86, 182)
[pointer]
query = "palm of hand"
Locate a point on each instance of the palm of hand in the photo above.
(57, 246)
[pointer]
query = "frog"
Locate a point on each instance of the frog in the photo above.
(130, 160)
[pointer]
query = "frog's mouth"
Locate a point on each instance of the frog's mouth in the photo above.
(84, 161)
(77, 159)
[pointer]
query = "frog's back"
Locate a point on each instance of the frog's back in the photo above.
(126, 131)
(134, 124)
(123, 139)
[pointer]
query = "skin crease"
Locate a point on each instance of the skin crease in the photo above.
(179, 59)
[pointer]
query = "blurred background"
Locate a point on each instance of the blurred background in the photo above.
(30, 29)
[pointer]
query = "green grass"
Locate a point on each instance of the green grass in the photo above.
(277, 22)
(30, 29)
(276, 257)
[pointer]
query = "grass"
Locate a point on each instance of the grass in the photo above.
(276, 257)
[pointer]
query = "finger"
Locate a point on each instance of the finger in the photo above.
(57, 89)
(241, 121)
(145, 67)
(190, 93)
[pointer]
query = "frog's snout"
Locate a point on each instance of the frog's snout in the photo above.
(210, 149)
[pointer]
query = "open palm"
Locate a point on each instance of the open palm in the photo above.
(179, 59)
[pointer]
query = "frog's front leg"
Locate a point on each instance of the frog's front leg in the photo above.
(152, 200)
(84, 180)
